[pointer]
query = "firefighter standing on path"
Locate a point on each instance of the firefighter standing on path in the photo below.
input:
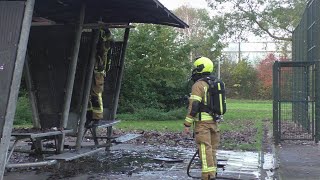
(95, 104)
(207, 135)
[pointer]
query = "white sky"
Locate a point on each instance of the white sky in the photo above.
(174, 4)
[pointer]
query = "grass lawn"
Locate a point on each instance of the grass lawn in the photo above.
(242, 116)
(242, 127)
(237, 111)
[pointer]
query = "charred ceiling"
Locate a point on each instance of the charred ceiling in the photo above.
(105, 11)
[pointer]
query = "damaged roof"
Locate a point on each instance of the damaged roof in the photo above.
(107, 11)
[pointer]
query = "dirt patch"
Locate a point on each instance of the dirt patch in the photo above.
(235, 137)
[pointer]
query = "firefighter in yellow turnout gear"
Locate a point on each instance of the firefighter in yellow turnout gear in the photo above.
(207, 135)
(95, 104)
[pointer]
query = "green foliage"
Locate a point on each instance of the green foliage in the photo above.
(204, 32)
(275, 18)
(241, 79)
(159, 59)
(156, 69)
(23, 112)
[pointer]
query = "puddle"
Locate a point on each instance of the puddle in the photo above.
(128, 161)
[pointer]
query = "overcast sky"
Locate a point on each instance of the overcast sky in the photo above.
(174, 4)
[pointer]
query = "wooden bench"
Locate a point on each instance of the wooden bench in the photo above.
(102, 124)
(37, 137)
(75, 154)
(110, 139)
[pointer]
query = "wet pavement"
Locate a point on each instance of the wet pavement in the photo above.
(298, 161)
(135, 162)
(238, 165)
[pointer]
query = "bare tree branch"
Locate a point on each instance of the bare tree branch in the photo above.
(253, 17)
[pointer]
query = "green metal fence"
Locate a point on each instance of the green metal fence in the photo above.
(296, 83)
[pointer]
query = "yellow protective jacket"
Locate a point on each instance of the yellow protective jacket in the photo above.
(199, 93)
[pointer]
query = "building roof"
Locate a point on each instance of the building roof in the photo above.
(108, 11)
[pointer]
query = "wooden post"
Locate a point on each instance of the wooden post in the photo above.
(95, 38)
(15, 85)
(72, 68)
(118, 85)
(71, 77)
(32, 97)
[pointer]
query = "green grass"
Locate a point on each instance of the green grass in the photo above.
(240, 114)
(23, 114)
(237, 111)
(244, 110)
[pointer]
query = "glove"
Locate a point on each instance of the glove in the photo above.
(186, 130)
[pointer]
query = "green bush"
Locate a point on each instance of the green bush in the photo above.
(23, 112)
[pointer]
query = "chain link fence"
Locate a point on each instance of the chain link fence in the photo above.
(296, 83)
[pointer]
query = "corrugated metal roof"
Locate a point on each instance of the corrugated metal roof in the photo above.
(111, 11)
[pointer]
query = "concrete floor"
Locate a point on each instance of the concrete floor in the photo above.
(238, 165)
(298, 162)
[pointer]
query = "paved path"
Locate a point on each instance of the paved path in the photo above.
(299, 162)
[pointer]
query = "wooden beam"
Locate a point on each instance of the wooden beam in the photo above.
(95, 38)
(71, 76)
(105, 25)
(15, 85)
(72, 68)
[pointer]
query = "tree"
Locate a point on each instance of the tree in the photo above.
(240, 78)
(264, 69)
(265, 75)
(275, 18)
(156, 68)
(203, 34)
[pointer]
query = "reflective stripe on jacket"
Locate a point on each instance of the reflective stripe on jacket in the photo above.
(198, 93)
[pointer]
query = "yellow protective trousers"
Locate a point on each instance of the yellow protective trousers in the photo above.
(95, 104)
(207, 139)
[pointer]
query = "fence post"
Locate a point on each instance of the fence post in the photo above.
(276, 102)
(317, 101)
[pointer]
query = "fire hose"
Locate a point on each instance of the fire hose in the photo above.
(189, 166)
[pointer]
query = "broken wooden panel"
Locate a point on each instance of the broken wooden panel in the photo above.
(11, 15)
(68, 156)
(49, 50)
(112, 76)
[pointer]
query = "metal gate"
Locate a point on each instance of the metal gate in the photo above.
(295, 104)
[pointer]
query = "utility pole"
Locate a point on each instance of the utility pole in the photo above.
(239, 52)
(219, 63)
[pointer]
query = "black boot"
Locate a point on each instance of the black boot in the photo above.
(211, 178)
(95, 122)
(88, 123)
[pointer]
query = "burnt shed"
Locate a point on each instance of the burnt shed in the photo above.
(53, 42)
